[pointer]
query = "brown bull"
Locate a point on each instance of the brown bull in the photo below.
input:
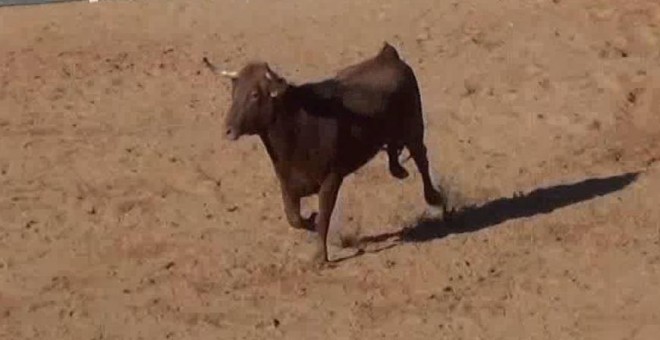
(318, 133)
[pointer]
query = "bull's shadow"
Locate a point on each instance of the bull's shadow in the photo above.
(539, 201)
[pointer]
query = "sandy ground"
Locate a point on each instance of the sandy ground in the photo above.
(125, 215)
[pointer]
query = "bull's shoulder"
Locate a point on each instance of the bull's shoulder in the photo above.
(332, 98)
(323, 90)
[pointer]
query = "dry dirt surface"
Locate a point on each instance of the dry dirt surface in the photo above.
(125, 215)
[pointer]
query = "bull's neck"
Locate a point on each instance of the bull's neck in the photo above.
(280, 135)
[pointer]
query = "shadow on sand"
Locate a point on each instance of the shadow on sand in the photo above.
(539, 201)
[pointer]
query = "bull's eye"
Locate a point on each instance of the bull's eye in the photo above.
(254, 95)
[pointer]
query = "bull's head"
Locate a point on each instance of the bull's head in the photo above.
(255, 91)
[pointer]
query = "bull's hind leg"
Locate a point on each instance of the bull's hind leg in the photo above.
(396, 169)
(418, 152)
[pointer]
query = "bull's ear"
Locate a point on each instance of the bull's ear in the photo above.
(276, 84)
(278, 89)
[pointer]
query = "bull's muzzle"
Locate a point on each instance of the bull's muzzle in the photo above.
(231, 134)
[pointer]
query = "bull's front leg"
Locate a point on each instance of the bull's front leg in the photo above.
(292, 209)
(327, 199)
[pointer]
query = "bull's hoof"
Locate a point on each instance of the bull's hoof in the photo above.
(325, 265)
(320, 260)
(448, 215)
(399, 172)
(308, 224)
(435, 198)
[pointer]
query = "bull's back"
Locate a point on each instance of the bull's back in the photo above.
(384, 72)
(379, 87)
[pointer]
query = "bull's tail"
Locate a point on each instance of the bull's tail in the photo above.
(209, 65)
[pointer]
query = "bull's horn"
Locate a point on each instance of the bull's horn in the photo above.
(210, 65)
(229, 74)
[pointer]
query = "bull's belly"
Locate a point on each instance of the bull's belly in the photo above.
(352, 160)
(304, 170)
